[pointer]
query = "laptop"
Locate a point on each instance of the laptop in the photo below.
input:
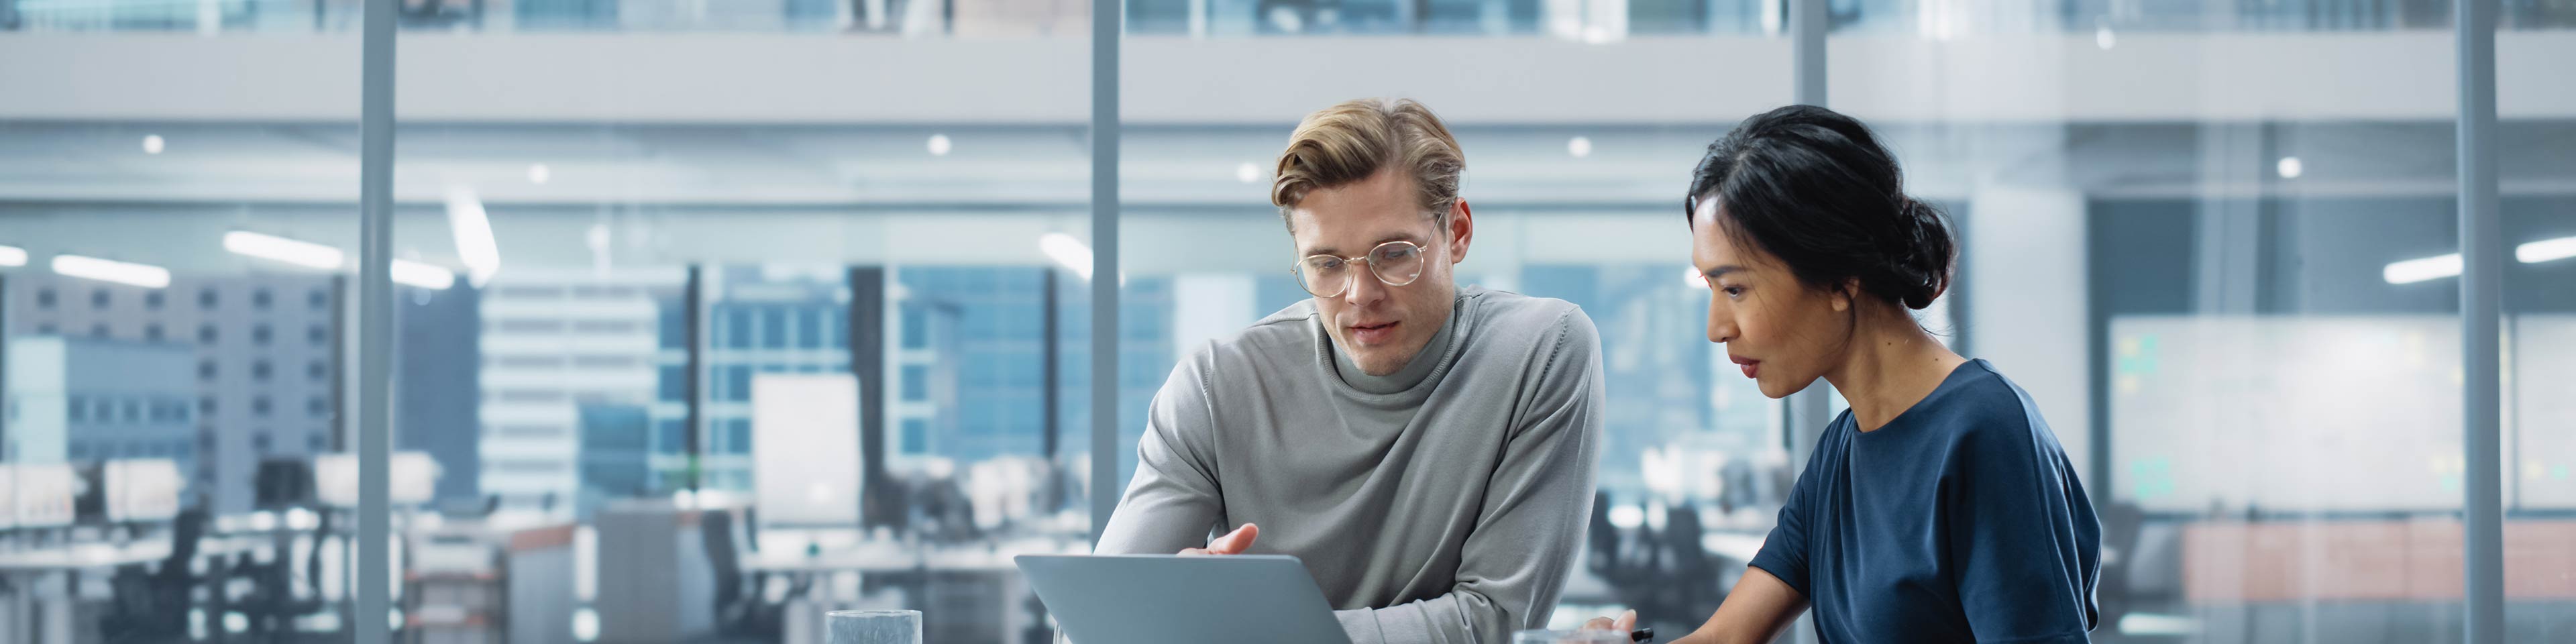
(1170, 599)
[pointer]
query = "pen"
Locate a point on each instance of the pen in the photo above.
(1642, 635)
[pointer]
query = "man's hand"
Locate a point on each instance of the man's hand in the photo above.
(1626, 622)
(1233, 543)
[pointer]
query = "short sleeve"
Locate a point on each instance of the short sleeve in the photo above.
(1784, 551)
(2022, 537)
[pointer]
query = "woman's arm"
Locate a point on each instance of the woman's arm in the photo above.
(1759, 609)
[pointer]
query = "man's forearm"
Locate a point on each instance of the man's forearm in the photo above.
(1456, 617)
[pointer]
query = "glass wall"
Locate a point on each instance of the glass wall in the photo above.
(2539, 440)
(1573, 178)
(176, 441)
(712, 316)
(759, 352)
(2228, 260)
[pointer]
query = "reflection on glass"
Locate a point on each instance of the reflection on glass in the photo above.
(2227, 273)
(1575, 20)
(173, 438)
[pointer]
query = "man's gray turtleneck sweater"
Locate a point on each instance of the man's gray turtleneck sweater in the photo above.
(1440, 503)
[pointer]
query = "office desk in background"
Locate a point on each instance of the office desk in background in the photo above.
(969, 592)
(27, 569)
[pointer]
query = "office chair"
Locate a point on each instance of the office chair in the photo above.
(2121, 523)
(1660, 572)
(283, 483)
(272, 603)
(740, 608)
(153, 606)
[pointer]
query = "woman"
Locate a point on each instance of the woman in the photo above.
(1939, 508)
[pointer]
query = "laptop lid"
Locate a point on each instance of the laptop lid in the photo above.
(1169, 599)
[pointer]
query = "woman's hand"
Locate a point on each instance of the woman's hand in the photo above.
(1758, 610)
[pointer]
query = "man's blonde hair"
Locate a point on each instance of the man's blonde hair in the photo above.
(1346, 143)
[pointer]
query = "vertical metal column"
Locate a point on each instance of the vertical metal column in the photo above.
(5, 454)
(2481, 300)
(878, 505)
(1808, 22)
(375, 321)
(1050, 405)
(693, 382)
(1108, 19)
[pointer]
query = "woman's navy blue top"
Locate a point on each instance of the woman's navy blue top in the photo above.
(1959, 521)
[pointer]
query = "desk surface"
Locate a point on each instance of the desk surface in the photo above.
(84, 556)
(890, 556)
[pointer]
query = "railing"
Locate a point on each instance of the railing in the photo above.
(1591, 20)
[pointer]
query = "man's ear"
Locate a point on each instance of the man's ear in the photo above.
(1462, 229)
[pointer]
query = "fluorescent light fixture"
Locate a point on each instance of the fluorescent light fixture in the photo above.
(411, 273)
(2418, 270)
(1693, 278)
(1068, 252)
(1247, 173)
(540, 174)
(1580, 146)
(940, 145)
(152, 144)
(585, 625)
(2441, 266)
(108, 270)
(2150, 624)
(2290, 168)
(13, 256)
(2546, 250)
(473, 229)
(292, 251)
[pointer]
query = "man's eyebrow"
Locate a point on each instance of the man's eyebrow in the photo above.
(1336, 252)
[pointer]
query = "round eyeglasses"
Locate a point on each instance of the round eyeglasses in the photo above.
(1395, 263)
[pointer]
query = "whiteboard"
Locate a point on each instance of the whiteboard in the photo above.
(805, 448)
(142, 489)
(2540, 416)
(45, 494)
(411, 478)
(2329, 413)
(2308, 413)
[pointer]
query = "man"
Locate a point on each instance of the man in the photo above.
(1427, 450)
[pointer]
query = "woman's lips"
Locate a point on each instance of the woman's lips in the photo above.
(1750, 366)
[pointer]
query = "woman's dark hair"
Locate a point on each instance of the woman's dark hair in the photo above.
(1815, 189)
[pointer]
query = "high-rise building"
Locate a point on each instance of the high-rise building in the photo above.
(969, 360)
(761, 320)
(437, 395)
(81, 400)
(614, 446)
(552, 342)
(262, 359)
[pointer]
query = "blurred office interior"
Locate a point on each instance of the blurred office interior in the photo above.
(711, 315)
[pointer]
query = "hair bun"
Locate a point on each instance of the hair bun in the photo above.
(1816, 190)
(1929, 250)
